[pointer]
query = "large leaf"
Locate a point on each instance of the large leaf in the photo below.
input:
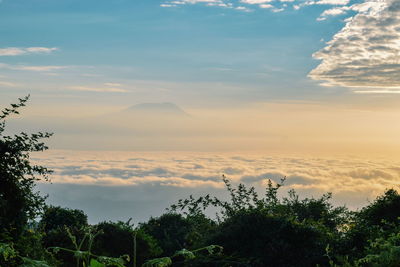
(95, 263)
(186, 254)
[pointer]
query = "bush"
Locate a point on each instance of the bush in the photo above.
(267, 240)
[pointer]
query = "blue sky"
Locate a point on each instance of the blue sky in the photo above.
(258, 54)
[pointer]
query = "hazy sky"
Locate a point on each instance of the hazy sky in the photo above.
(260, 74)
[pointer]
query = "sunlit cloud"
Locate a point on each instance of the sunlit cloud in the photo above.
(366, 52)
(383, 91)
(340, 175)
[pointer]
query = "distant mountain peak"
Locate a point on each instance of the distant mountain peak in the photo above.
(153, 108)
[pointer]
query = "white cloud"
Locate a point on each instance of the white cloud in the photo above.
(253, 2)
(243, 8)
(266, 6)
(366, 51)
(18, 51)
(328, 2)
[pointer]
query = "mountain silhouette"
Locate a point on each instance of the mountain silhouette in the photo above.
(160, 109)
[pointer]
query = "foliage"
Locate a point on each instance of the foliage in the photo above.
(383, 252)
(56, 218)
(183, 256)
(54, 222)
(119, 238)
(385, 209)
(175, 232)
(7, 253)
(19, 203)
(82, 251)
(261, 228)
(262, 238)
(9, 256)
(159, 262)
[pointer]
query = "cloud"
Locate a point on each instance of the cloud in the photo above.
(252, 2)
(8, 84)
(366, 51)
(32, 67)
(113, 84)
(245, 5)
(351, 179)
(328, 2)
(18, 51)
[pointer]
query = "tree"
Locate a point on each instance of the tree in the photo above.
(56, 218)
(267, 240)
(119, 238)
(19, 202)
(174, 232)
(54, 222)
(264, 230)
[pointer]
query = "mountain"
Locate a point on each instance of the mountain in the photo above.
(160, 109)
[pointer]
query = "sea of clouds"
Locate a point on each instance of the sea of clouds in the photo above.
(122, 185)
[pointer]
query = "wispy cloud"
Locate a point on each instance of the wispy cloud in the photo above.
(366, 52)
(35, 68)
(112, 84)
(382, 91)
(109, 89)
(8, 84)
(18, 51)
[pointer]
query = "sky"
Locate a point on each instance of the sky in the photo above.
(268, 65)
(315, 81)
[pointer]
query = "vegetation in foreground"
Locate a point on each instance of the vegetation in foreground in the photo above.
(249, 230)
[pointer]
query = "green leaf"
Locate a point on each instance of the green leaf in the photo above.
(95, 263)
(7, 251)
(109, 261)
(186, 254)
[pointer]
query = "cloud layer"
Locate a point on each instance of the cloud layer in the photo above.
(366, 52)
(352, 180)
